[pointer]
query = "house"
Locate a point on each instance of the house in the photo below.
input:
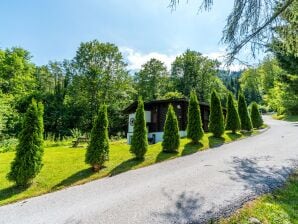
(155, 114)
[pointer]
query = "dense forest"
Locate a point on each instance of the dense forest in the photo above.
(73, 90)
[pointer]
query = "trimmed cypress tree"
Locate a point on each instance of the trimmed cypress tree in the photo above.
(28, 160)
(232, 119)
(139, 141)
(195, 131)
(245, 120)
(216, 118)
(255, 116)
(98, 148)
(171, 138)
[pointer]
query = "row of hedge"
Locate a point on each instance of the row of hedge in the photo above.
(28, 160)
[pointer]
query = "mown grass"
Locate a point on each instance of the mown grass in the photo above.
(64, 166)
(291, 118)
(279, 207)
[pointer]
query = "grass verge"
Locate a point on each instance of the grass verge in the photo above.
(279, 207)
(64, 166)
(291, 118)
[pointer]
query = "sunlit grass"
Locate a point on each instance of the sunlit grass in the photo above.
(280, 207)
(64, 166)
(291, 118)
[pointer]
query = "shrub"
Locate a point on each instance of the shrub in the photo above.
(8, 145)
(98, 148)
(245, 120)
(194, 124)
(28, 160)
(171, 138)
(139, 141)
(232, 119)
(216, 119)
(255, 115)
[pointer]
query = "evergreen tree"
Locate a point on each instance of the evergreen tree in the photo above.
(98, 149)
(28, 160)
(255, 115)
(139, 141)
(232, 119)
(216, 119)
(245, 120)
(171, 138)
(194, 125)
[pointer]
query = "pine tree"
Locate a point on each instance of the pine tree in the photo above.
(98, 149)
(232, 119)
(194, 125)
(245, 120)
(255, 115)
(139, 141)
(28, 160)
(171, 138)
(216, 119)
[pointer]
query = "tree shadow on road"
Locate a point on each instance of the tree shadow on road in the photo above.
(182, 208)
(257, 177)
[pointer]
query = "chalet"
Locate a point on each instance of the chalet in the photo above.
(155, 114)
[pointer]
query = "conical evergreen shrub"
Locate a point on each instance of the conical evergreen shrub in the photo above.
(98, 148)
(195, 131)
(28, 160)
(216, 118)
(232, 118)
(245, 121)
(255, 116)
(171, 138)
(139, 141)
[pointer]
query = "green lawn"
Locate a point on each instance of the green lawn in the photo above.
(291, 118)
(280, 207)
(64, 166)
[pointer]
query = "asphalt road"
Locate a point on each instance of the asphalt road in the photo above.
(191, 189)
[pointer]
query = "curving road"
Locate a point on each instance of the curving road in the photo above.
(191, 189)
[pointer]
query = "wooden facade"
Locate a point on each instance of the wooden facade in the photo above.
(158, 109)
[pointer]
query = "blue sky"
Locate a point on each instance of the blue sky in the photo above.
(53, 30)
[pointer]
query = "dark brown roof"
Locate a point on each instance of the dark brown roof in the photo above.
(133, 106)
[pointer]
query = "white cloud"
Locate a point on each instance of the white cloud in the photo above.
(136, 59)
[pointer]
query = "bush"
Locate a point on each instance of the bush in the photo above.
(171, 138)
(8, 145)
(245, 120)
(28, 160)
(232, 119)
(216, 119)
(98, 149)
(255, 115)
(139, 141)
(195, 131)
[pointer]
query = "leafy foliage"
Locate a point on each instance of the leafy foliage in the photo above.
(139, 141)
(194, 124)
(171, 138)
(232, 117)
(216, 119)
(245, 120)
(256, 118)
(28, 160)
(151, 81)
(193, 71)
(98, 149)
